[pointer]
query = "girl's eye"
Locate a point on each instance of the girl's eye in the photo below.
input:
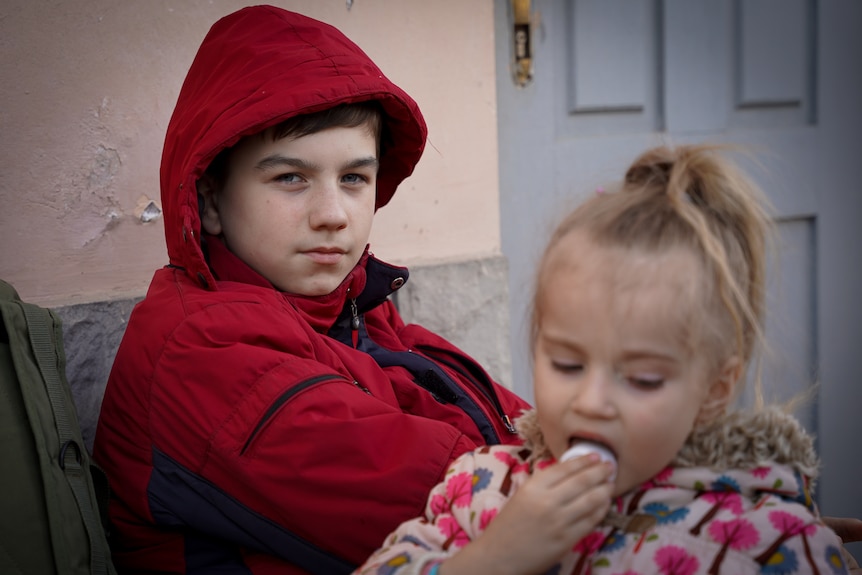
(567, 367)
(647, 382)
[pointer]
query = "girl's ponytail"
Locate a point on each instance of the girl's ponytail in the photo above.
(727, 214)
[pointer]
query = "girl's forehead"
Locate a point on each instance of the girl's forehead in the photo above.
(662, 288)
(623, 265)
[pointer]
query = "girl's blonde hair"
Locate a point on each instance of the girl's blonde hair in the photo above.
(688, 197)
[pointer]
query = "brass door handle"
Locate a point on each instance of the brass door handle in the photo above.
(523, 69)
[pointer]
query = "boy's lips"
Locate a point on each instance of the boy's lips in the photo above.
(325, 256)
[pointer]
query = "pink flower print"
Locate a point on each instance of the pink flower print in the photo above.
(663, 475)
(734, 534)
(514, 467)
(589, 543)
(761, 472)
(673, 560)
(789, 525)
(586, 546)
(459, 488)
(511, 461)
(486, 517)
(454, 533)
(730, 500)
(507, 458)
(438, 504)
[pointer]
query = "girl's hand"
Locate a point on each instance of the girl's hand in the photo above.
(554, 508)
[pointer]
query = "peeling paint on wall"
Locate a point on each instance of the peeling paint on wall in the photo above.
(106, 164)
(113, 218)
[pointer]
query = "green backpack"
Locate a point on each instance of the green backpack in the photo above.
(50, 518)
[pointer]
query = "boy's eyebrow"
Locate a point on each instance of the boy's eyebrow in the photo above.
(277, 160)
(370, 161)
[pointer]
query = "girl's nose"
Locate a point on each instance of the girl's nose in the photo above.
(594, 397)
(327, 210)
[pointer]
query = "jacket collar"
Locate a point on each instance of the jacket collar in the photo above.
(369, 283)
(745, 439)
(744, 454)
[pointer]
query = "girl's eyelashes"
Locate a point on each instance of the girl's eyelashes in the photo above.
(646, 382)
(567, 366)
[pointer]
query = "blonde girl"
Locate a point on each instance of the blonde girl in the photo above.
(647, 313)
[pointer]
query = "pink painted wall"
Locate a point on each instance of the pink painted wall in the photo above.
(87, 90)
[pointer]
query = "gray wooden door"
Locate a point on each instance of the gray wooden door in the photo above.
(613, 77)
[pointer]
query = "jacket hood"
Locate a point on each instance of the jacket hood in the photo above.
(256, 68)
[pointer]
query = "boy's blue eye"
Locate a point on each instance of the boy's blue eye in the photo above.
(289, 178)
(354, 179)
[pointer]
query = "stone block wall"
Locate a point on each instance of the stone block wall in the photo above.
(91, 336)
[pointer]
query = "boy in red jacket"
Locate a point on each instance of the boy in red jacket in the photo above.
(268, 409)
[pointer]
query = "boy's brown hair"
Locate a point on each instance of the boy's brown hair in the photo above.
(369, 114)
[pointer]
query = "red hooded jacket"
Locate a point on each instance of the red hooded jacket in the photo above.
(247, 430)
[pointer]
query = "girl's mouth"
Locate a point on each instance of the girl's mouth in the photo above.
(594, 440)
(579, 447)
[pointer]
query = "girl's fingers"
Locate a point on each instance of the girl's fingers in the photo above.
(564, 471)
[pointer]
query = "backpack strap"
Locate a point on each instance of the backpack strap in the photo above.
(45, 335)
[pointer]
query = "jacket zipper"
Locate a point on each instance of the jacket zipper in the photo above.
(285, 397)
(354, 323)
(489, 393)
(492, 436)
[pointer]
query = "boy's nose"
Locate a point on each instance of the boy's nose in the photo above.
(327, 209)
(594, 397)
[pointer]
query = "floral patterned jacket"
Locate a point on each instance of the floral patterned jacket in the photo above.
(736, 500)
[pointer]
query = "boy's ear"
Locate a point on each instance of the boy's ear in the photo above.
(208, 205)
(721, 391)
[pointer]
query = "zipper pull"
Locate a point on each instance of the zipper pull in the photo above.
(508, 423)
(362, 387)
(354, 323)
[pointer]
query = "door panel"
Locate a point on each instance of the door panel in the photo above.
(782, 77)
(772, 49)
(612, 87)
(789, 365)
